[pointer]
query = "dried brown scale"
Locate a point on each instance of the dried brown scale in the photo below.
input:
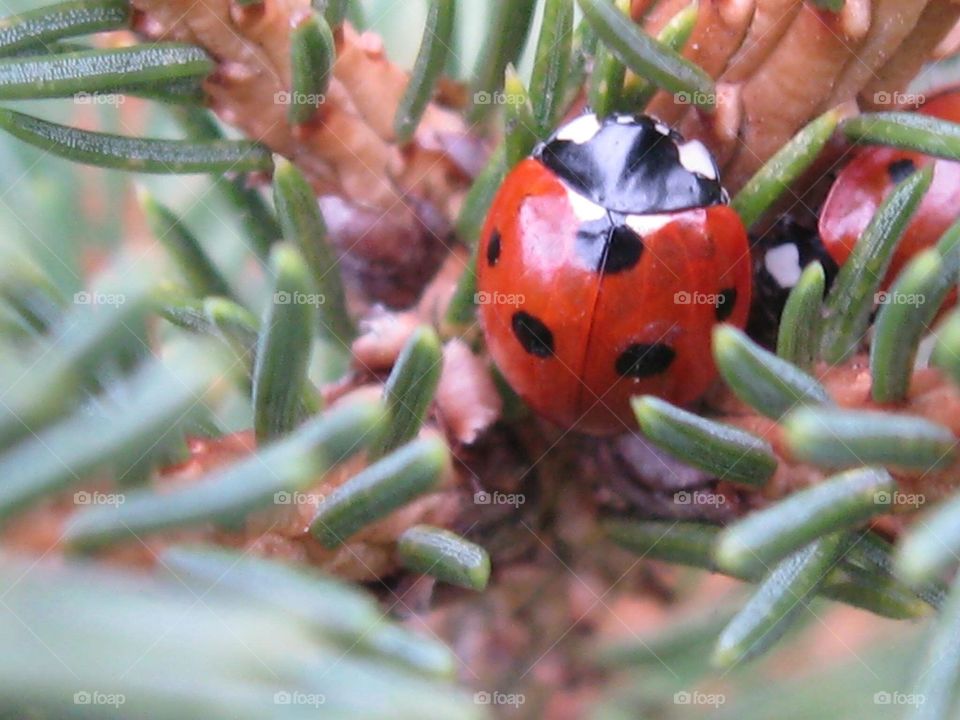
(771, 118)
(718, 33)
(890, 23)
(770, 21)
(938, 21)
(347, 149)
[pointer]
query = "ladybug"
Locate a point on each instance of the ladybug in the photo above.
(605, 260)
(869, 178)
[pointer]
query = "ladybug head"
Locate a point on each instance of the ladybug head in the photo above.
(632, 164)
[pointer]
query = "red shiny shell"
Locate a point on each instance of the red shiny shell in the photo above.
(644, 327)
(869, 178)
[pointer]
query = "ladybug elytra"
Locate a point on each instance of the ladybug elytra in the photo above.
(606, 259)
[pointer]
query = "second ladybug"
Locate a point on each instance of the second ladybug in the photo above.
(605, 261)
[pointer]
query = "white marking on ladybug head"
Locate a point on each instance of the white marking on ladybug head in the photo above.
(645, 225)
(625, 119)
(661, 128)
(583, 207)
(783, 263)
(696, 158)
(581, 130)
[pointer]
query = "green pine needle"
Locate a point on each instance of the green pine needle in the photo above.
(267, 477)
(330, 606)
(520, 128)
(727, 452)
(798, 338)
(444, 555)
(784, 168)
(152, 401)
(285, 344)
(778, 602)
(410, 388)
(194, 263)
(313, 52)
(147, 155)
(852, 298)
(41, 27)
(379, 489)
(761, 379)
(549, 78)
(604, 93)
(846, 438)
(506, 35)
(93, 71)
(645, 56)
(907, 131)
(303, 226)
(842, 501)
(431, 59)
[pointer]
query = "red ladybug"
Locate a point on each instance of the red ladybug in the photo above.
(870, 177)
(605, 261)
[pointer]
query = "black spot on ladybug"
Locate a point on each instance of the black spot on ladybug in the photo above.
(725, 302)
(900, 170)
(624, 249)
(643, 360)
(629, 166)
(493, 248)
(534, 336)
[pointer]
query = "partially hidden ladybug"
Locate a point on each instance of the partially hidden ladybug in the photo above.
(870, 177)
(605, 261)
